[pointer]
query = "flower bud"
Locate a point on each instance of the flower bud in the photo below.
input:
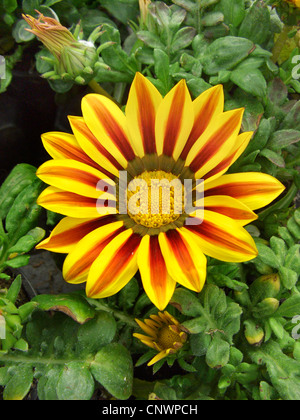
(254, 333)
(267, 286)
(265, 308)
(74, 59)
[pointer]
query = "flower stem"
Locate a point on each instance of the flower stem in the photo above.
(99, 89)
(117, 314)
(280, 43)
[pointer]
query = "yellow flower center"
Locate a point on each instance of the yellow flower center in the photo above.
(166, 338)
(155, 198)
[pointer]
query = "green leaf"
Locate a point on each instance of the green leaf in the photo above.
(123, 10)
(150, 39)
(233, 11)
(73, 305)
(96, 333)
(288, 277)
(218, 352)
(17, 262)
(283, 371)
(19, 178)
(290, 307)
(24, 213)
(267, 255)
(27, 242)
(182, 39)
(273, 157)
(114, 56)
(283, 138)
(161, 67)
(20, 33)
(19, 382)
(75, 382)
(112, 367)
(256, 24)
(225, 53)
(250, 80)
(186, 302)
(14, 289)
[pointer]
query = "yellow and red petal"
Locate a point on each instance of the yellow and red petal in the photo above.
(231, 207)
(158, 284)
(69, 231)
(239, 147)
(174, 121)
(93, 147)
(65, 146)
(74, 205)
(184, 260)
(73, 176)
(141, 108)
(108, 124)
(209, 104)
(219, 137)
(222, 238)
(78, 263)
(115, 266)
(254, 189)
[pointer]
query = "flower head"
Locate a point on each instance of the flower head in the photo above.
(164, 334)
(130, 186)
(73, 58)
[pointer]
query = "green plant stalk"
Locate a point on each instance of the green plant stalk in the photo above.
(99, 89)
(117, 314)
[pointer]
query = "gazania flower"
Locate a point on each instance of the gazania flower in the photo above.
(171, 139)
(164, 334)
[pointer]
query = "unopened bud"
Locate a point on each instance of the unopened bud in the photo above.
(254, 333)
(267, 286)
(265, 308)
(74, 59)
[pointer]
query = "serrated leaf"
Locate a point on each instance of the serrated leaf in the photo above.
(73, 305)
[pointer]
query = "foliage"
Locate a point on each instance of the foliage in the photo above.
(243, 327)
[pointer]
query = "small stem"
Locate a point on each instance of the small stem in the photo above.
(118, 314)
(99, 89)
(280, 43)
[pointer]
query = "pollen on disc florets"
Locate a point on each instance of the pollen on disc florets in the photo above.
(155, 198)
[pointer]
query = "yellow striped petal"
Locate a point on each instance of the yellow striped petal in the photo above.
(78, 263)
(108, 124)
(231, 207)
(219, 137)
(115, 266)
(69, 231)
(184, 260)
(93, 147)
(141, 108)
(73, 176)
(158, 285)
(254, 189)
(206, 106)
(239, 147)
(174, 121)
(222, 238)
(74, 205)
